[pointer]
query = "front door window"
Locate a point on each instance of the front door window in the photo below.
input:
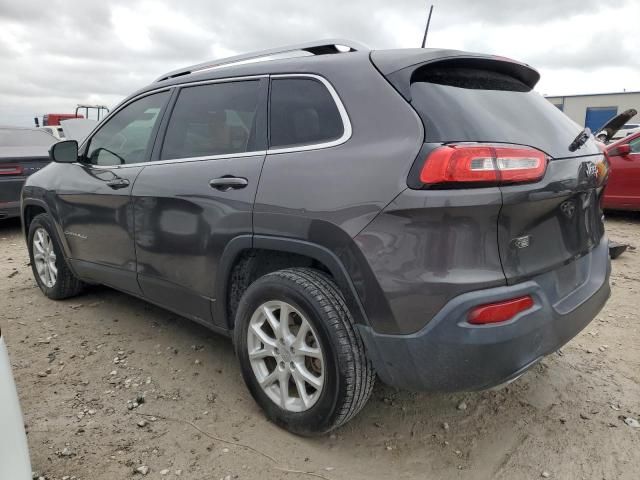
(126, 137)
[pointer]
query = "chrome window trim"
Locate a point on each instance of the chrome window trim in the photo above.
(182, 160)
(346, 123)
(161, 89)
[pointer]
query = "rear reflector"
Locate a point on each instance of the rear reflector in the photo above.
(483, 164)
(499, 311)
(10, 170)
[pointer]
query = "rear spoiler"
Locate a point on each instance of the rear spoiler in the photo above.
(399, 66)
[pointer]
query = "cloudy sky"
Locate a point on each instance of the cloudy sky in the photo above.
(57, 53)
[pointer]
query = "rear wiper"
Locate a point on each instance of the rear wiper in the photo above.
(580, 140)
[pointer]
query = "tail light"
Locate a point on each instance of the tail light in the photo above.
(11, 170)
(500, 311)
(483, 164)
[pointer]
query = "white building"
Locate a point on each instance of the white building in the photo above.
(595, 110)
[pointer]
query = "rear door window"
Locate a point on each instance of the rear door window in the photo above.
(215, 119)
(302, 112)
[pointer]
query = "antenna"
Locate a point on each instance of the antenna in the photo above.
(426, 30)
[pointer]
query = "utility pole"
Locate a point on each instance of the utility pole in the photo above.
(426, 30)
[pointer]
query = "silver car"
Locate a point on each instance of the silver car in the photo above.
(14, 452)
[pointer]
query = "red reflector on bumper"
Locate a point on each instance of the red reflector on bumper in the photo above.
(499, 311)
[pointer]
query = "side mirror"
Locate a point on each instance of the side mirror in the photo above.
(64, 152)
(620, 150)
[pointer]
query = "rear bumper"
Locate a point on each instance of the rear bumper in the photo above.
(449, 354)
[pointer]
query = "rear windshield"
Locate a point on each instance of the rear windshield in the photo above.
(25, 138)
(473, 105)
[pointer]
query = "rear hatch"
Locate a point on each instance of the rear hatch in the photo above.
(467, 99)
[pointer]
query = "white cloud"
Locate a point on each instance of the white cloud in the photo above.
(94, 51)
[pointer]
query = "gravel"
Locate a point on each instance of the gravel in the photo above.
(522, 430)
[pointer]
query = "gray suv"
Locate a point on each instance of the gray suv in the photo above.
(418, 214)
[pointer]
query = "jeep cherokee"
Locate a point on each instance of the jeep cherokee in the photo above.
(419, 214)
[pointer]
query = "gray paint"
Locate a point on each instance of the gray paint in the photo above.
(400, 254)
(183, 226)
(97, 222)
(303, 193)
(449, 354)
(426, 248)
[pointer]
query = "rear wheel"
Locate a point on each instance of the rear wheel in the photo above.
(49, 267)
(301, 357)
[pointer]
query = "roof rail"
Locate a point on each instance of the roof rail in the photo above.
(319, 47)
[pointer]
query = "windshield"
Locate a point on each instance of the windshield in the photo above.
(17, 137)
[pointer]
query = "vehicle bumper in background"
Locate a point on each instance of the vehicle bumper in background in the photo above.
(14, 452)
(449, 354)
(9, 210)
(10, 189)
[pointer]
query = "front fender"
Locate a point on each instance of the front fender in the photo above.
(33, 196)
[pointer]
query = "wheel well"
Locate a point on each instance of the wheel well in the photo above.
(31, 212)
(254, 263)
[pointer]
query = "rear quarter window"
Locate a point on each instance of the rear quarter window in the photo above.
(302, 112)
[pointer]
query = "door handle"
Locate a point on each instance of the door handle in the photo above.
(118, 183)
(225, 184)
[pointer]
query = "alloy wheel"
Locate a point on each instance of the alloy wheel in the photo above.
(286, 356)
(44, 257)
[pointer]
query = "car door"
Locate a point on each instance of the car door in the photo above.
(197, 193)
(94, 200)
(623, 188)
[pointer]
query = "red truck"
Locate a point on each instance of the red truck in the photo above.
(50, 119)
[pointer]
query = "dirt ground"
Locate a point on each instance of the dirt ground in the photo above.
(80, 364)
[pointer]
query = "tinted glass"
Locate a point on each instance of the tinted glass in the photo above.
(635, 145)
(214, 119)
(302, 112)
(125, 138)
(466, 105)
(16, 137)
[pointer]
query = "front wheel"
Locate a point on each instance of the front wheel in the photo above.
(300, 354)
(49, 267)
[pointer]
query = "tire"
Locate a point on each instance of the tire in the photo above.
(65, 284)
(346, 372)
